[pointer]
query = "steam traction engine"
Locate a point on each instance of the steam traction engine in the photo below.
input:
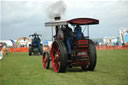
(83, 50)
(35, 47)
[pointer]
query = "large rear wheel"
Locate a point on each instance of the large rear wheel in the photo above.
(30, 50)
(92, 56)
(59, 56)
(41, 49)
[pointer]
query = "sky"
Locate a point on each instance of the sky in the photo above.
(20, 18)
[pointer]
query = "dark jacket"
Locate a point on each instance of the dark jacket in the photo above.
(67, 32)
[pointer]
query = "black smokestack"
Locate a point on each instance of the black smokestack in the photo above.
(56, 9)
(57, 18)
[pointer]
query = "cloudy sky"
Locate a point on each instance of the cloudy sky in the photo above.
(19, 18)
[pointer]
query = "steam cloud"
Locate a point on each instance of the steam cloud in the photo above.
(56, 9)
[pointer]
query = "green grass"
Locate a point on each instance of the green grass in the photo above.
(21, 69)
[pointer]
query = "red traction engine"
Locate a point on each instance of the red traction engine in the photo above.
(82, 51)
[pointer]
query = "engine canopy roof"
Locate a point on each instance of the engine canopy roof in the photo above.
(79, 21)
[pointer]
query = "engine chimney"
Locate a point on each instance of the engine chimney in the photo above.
(57, 18)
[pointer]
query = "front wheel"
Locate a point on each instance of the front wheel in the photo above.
(46, 60)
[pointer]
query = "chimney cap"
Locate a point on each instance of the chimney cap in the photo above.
(57, 18)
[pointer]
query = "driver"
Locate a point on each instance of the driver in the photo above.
(68, 37)
(78, 31)
(38, 39)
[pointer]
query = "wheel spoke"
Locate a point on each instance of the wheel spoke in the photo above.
(56, 53)
(57, 66)
(45, 60)
(57, 59)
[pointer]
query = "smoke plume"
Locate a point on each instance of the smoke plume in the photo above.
(56, 9)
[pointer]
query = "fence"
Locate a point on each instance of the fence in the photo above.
(111, 47)
(22, 49)
(25, 49)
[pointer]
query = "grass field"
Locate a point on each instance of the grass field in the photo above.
(21, 69)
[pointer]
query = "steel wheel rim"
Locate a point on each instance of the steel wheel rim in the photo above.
(55, 55)
(44, 60)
